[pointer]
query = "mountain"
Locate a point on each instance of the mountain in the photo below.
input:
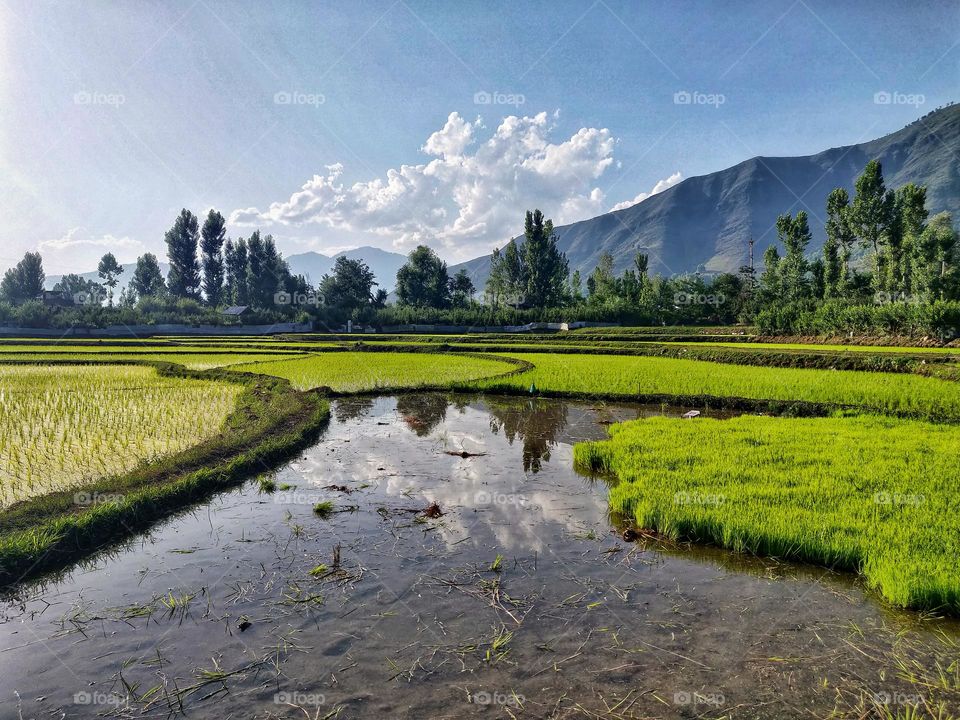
(383, 263)
(128, 269)
(706, 222)
(310, 264)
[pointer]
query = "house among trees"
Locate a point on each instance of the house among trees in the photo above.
(235, 311)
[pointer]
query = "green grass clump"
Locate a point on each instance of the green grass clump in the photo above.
(876, 495)
(629, 376)
(323, 509)
(362, 371)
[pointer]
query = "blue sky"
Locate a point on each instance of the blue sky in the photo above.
(338, 124)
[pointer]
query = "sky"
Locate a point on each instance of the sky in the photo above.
(333, 125)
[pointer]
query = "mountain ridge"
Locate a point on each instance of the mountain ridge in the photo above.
(705, 222)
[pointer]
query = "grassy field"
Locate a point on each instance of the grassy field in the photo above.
(62, 426)
(192, 360)
(901, 350)
(866, 493)
(363, 371)
(626, 376)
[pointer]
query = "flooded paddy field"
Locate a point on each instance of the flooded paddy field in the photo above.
(438, 556)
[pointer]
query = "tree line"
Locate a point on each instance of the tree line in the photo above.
(885, 266)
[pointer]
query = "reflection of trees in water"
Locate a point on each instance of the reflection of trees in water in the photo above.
(422, 412)
(537, 423)
(352, 408)
(460, 402)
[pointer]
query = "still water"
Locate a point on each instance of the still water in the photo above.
(465, 570)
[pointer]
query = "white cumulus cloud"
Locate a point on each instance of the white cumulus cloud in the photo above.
(659, 187)
(469, 195)
(78, 250)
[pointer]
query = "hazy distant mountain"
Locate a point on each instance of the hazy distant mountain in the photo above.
(128, 269)
(706, 221)
(310, 264)
(383, 263)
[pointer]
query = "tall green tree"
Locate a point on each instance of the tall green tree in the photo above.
(602, 283)
(576, 287)
(641, 262)
(277, 275)
(515, 274)
(147, 280)
(936, 272)
(461, 289)
(82, 290)
(629, 287)
(872, 214)
(109, 271)
(350, 287)
(235, 260)
(423, 281)
(507, 282)
(496, 286)
(24, 281)
(794, 233)
(211, 253)
(183, 280)
(771, 284)
(259, 286)
(841, 239)
(546, 265)
(832, 269)
(910, 222)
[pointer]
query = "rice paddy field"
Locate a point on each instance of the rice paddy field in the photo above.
(192, 360)
(873, 349)
(64, 426)
(866, 493)
(623, 376)
(523, 517)
(366, 371)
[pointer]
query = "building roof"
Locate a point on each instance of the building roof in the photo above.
(235, 310)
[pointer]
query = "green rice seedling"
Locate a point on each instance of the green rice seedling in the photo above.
(362, 371)
(871, 494)
(195, 360)
(266, 484)
(499, 645)
(323, 509)
(812, 347)
(629, 376)
(63, 426)
(178, 604)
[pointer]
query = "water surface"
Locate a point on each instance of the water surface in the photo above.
(520, 600)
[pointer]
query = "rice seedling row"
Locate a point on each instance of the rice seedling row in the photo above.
(192, 360)
(630, 376)
(871, 494)
(366, 371)
(64, 426)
